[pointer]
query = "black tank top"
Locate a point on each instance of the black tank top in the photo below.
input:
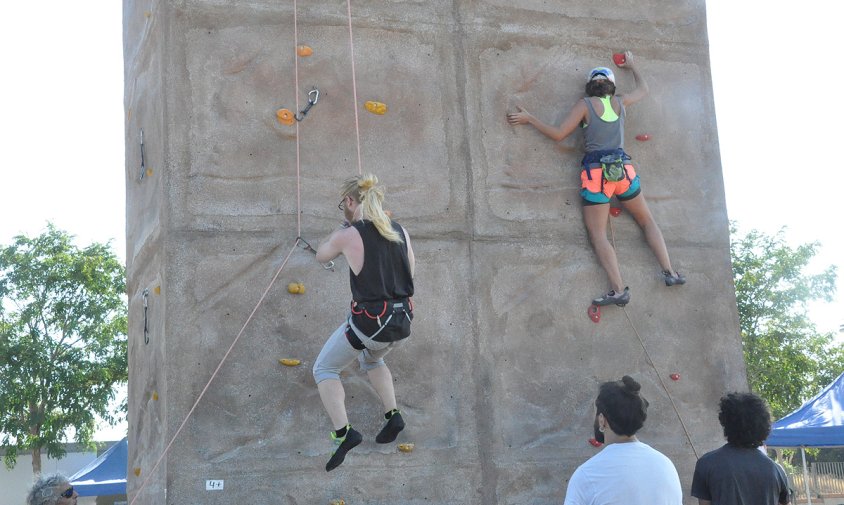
(386, 270)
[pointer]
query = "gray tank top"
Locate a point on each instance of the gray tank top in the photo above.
(603, 135)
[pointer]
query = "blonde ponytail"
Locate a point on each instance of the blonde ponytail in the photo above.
(365, 190)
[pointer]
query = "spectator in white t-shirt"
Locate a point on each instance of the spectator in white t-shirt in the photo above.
(626, 471)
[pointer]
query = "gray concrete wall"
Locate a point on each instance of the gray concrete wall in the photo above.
(499, 378)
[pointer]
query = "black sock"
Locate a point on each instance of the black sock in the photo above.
(389, 414)
(341, 432)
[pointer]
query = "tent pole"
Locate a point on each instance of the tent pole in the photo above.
(805, 476)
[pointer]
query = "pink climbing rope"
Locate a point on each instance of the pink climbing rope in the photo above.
(354, 84)
(269, 286)
(214, 374)
(296, 74)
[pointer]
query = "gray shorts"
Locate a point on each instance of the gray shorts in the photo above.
(338, 353)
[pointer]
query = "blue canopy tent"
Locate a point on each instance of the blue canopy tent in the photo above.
(106, 475)
(817, 423)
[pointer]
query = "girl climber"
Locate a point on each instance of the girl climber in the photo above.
(607, 171)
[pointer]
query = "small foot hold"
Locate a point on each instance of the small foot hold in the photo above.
(594, 313)
(296, 288)
(290, 362)
(595, 443)
(285, 117)
(643, 137)
(619, 59)
(615, 211)
(304, 51)
(408, 447)
(376, 107)
(675, 376)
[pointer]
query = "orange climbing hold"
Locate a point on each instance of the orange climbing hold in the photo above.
(285, 117)
(149, 172)
(290, 362)
(615, 211)
(304, 51)
(594, 313)
(643, 137)
(619, 59)
(376, 107)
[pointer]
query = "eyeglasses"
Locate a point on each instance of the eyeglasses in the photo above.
(68, 493)
(342, 204)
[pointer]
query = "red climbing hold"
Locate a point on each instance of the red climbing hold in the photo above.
(644, 137)
(595, 443)
(619, 58)
(675, 376)
(615, 211)
(594, 313)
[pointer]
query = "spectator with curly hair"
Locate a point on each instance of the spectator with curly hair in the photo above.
(739, 473)
(51, 489)
(626, 470)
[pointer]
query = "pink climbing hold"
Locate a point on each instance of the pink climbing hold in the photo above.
(643, 137)
(595, 443)
(615, 211)
(675, 376)
(594, 313)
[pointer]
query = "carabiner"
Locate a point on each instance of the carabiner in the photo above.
(308, 247)
(313, 98)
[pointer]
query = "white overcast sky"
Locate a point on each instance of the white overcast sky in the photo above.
(773, 64)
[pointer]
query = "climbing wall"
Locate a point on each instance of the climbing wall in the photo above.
(498, 381)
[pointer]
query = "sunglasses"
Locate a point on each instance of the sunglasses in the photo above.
(68, 493)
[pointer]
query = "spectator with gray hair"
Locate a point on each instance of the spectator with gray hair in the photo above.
(53, 489)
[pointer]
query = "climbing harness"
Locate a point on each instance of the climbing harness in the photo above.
(306, 246)
(367, 318)
(313, 97)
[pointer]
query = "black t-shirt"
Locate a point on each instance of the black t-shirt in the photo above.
(386, 268)
(739, 476)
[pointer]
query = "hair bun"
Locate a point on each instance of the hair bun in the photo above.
(367, 182)
(630, 384)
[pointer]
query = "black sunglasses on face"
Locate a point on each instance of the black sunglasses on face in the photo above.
(68, 493)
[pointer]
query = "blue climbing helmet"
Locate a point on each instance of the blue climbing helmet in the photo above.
(604, 71)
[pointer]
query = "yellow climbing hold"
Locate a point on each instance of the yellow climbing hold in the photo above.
(376, 107)
(337, 502)
(406, 447)
(157, 290)
(296, 288)
(155, 395)
(304, 51)
(285, 117)
(137, 472)
(290, 362)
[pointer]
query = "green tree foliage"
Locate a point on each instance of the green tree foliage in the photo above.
(788, 361)
(62, 342)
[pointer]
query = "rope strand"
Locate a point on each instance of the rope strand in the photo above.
(651, 361)
(354, 84)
